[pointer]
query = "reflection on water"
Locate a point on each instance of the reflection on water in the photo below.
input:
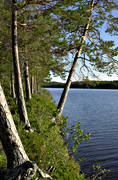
(97, 110)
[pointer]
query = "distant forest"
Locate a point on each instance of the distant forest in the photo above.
(86, 84)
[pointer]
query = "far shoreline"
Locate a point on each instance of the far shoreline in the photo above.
(85, 85)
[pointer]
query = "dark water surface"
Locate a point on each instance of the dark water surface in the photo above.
(97, 110)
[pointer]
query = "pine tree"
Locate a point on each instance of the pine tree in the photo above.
(40, 36)
(17, 73)
(100, 53)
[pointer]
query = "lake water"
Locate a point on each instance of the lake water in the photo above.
(97, 110)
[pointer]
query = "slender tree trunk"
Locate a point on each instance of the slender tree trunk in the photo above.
(72, 71)
(13, 86)
(17, 73)
(8, 134)
(27, 82)
(35, 89)
(37, 84)
(18, 164)
(32, 84)
(10, 86)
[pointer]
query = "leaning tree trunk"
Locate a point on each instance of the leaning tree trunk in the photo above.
(72, 71)
(18, 164)
(8, 134)
(17, 73)
(27, 82)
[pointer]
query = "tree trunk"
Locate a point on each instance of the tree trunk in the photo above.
(13, 86)
(72, 71)
(18, 164)
(32, 84)
(8, 134)
(37, 84)
(27, 82)
(17, 73)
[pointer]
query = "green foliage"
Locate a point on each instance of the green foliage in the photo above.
(46, 146)
(38, 39)
(99, 173)
(48, 32)
(3, 161)
(77, 136)
(5, 43)
(5, 84)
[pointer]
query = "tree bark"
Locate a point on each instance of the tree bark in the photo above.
(32, 84)
(27, 82)
(17, 72)
(37, 84)
(8, 134)
(13, 86)
(72, 71)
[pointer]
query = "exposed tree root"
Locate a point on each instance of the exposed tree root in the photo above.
(25, 171)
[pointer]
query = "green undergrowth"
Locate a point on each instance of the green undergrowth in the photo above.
(45, 145)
